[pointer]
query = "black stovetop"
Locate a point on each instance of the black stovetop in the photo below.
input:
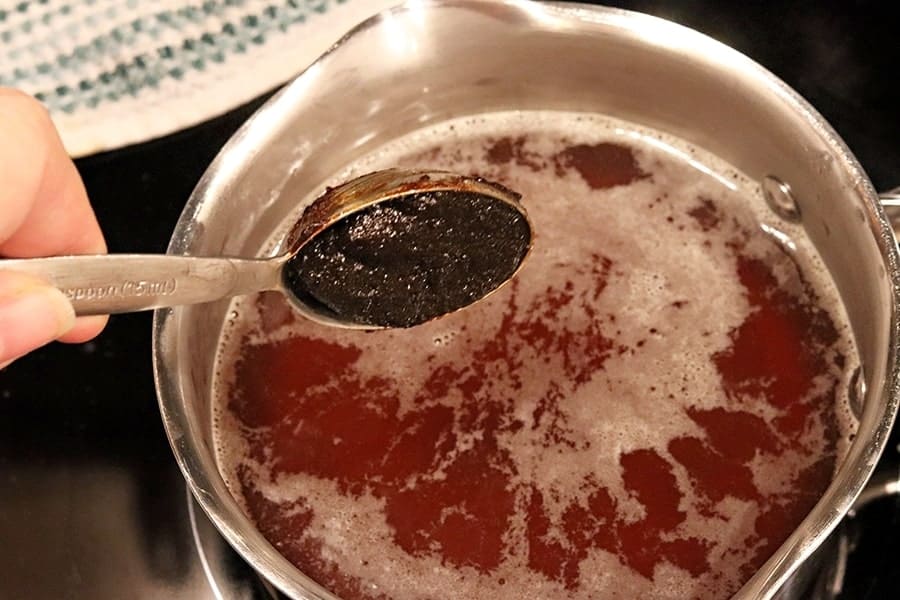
(91, 502)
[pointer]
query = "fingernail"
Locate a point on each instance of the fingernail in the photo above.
(30, 317)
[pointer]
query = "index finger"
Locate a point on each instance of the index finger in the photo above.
(44, 210)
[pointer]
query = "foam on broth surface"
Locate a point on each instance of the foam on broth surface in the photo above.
(647, 410)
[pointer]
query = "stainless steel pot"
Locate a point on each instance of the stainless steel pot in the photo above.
(428, 61)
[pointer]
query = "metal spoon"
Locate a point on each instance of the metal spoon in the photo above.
(393, 248)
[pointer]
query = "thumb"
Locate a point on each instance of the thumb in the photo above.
(32, 314)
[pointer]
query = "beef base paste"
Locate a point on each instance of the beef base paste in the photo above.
(412, 258)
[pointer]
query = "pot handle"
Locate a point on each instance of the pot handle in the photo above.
(884, 484)
(890, 201)
(829, 585)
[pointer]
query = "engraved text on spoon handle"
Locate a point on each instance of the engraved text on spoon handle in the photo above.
(118, 283)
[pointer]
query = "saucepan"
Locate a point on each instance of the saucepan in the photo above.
(428, 61)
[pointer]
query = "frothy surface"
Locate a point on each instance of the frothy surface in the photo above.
(648, 410)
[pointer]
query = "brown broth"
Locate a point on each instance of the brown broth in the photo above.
(648, 410)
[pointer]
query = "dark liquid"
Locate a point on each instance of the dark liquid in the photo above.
(648, 410)
(410, 259)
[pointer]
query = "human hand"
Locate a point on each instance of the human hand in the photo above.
(44, 211)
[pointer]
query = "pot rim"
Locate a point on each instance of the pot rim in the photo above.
(854, 471)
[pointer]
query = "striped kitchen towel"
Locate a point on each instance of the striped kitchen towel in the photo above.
(117, 72)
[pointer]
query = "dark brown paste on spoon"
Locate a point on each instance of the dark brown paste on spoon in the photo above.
(410, 259)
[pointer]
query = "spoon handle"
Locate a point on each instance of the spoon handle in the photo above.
(119, 283)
